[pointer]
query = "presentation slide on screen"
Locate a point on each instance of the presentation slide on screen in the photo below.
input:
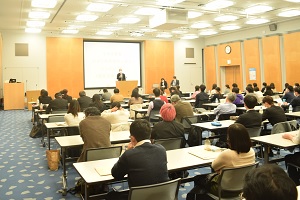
(102, 61)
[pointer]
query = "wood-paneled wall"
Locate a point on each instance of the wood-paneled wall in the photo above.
(272, 61)
(210, 66)
(252, 60)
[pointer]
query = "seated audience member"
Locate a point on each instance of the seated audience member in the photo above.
(250, 91)
(274, 114)
(264, 87)
(216, 96)
(268, 181)
(173, 90)
(106, 95)
(197, 90)
(140, 169)
(258, 93)
(268, 91)
(96, 102)
(162, 96)
(117, 115)
(135, 97)
(83, 100)
(179, 91)
(251, 118)
(202, 97)
(44, 98)
(234, 85)
(294, 159)
(254, 85)
(285, 87)
(296, 101)
(183, 109)
(239, 100)
(213, 89)
(57, 104)
(116, 97)
(227, 108)
(65, 95)
(157, 103)
(168, 128)
(227, 89)
(272, 85)
(238, 154)
(288, 94)
(74, 116)
(94, 131)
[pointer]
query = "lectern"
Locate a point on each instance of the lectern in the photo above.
(13, 96)
(126, 87)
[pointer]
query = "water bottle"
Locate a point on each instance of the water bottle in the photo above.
(217, 100)
(290, 108)
(207, 145)
(261, 110)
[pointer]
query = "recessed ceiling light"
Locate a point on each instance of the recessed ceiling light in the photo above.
(104, 33)
(193, 14)
(88, 18)
(258, 9)
(70, 31)
(76, 26)
(179, 31)
(208, 32)
(230, 27)
(35, 23)
(44, 3)
(168, 2)
(225, 18)
(147, 11)
(164, 35)
(218, 4)
(189, 37)
(257, 21)
(129, 20)
(200, 25)
(99, 7)
(39, 15)
(289, 13)
(33, 30)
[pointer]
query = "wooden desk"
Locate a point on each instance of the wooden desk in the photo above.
(274, 140)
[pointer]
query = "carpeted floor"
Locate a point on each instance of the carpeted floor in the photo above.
(24, 172)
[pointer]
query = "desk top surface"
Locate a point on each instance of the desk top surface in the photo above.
(293, 114)
(208, 125)
(276, 140)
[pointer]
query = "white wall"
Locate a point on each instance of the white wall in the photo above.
(188, 70)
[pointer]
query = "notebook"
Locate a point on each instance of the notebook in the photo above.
(103, 170)
(206, 155)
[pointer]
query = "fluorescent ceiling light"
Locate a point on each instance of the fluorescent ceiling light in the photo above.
(193, 14)
(189, 37)
(258, 9)
(147, 11)
(33, 30)
(39, 15)
(43, 3)
(289, 13)
(179, 31)
(70, 31)
(218, 4)
(129, 20)
(136, 34)
(168, 2)
(112, 28)
(35, 23)
(208, 32)
(200, 25)
(257, 21)
(164, 35)
(104, 33)
(230, 27)
(76, 26)
(99, 7)
(148, 30)
(225, 18)
(87, 17)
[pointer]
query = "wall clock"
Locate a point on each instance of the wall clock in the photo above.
(228, 49)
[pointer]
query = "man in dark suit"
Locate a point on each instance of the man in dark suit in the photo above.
(274, 114)
(174, 82)
(251, 118)
(143, 162)
(57, 104)
(121, 76)
(84, 101)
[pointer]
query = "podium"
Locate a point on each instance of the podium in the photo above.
(126, 87)
(13, 96)
(32, 96)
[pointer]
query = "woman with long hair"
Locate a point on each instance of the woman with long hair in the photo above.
(135, 97)
(97, 102)
(74, 116)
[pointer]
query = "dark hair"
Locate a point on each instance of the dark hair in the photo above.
(286, 85)
(264, 84)
(256, 89)
(116, 90)
(272, 85)
(214, 86)
(115, 104)
(64, 91)
(156, 92)
(97, 100)
(197, 88)
(268, 87)
(291, 89)
(297, 89)
(227, 86)
(135, 93)
(202, 88)
(254, 84)
(74, 108)
(249, 89)
(105, 90)
(218, 89)
(57, 95)
(269, 181)
(234, 85)
(297, 84)
(238, 138)
(82, 93)
(43, 93)
(92, 111)
(140, 129)
(268, 99)
(235, 90)
(249, 85)
(250, 101)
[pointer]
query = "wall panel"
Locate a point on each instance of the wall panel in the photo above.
(210, 66)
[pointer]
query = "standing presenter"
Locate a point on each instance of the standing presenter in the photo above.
(121, 76)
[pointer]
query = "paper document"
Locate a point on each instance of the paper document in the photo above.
(103, 170)
(60, 123)
(204, 154)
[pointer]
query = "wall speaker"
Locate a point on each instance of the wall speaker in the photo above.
(273, 27)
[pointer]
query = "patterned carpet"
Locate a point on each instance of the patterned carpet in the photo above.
(24, 172)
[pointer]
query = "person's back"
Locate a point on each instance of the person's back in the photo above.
(275, 114)
(183, 109)
(156, 104)
(117, 97)
(106, 95)
(227, 108)
(84, 101)
(116, 114)
(201, 97)
(57, 104)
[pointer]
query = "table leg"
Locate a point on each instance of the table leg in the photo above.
(48, 138)
(266, 154)
(64, 176)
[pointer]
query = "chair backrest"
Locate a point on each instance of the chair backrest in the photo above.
(56, 118)
(170, 143)
(232, 179)
(103, 153)
(132, 107)
(152, 116)
(166, 191)
(296, 109)
(282, 127)
(120, 127)
(59, 111)
(73, 130)
(226, 116)
(254, 132)
(187, 121)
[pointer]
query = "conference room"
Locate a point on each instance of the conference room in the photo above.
(55, 60)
